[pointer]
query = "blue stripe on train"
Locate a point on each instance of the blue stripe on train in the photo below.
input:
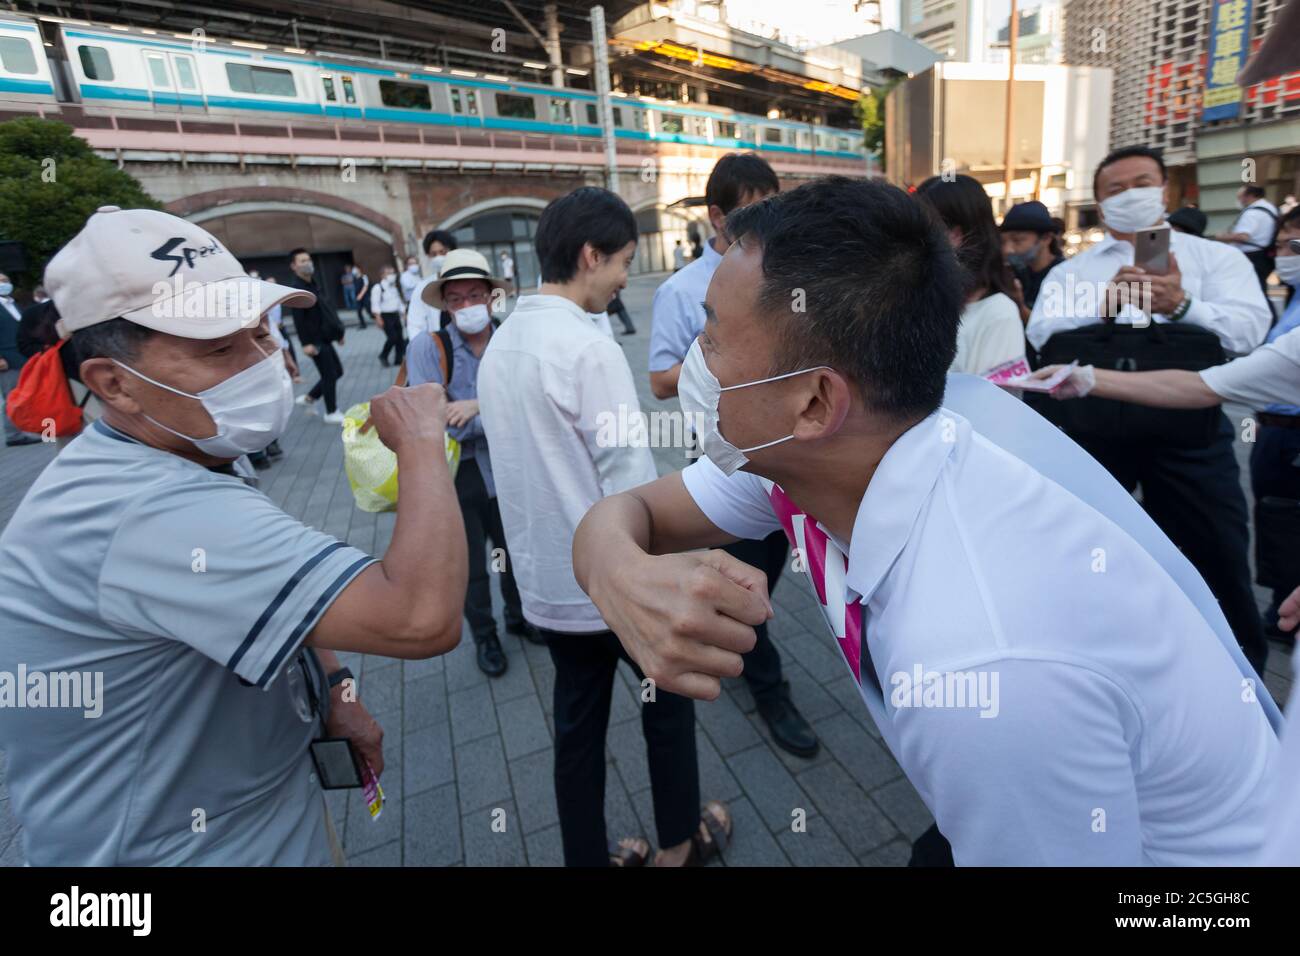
(25, 86)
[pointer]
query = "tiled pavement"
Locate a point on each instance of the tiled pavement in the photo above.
(463, 750)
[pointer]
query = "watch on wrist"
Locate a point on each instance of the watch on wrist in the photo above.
(339, 676)
(1182, 309)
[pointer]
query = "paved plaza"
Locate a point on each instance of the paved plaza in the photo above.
(460, 747)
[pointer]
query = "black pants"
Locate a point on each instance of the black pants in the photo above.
(763, 663)
(1274, 473)
(584, 683)
(394, 337)
(363, 309)
(483, 523)
(1195, 496)
(620, 310)
(331, 370)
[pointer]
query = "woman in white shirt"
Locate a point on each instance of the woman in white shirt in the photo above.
(991, 333)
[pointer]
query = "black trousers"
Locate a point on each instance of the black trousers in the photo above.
(1195, 496)
(394, 337)
(763, 663)
(363, 308)
(584, 683)
(483, 523)
(331, 370)
(1274, 472)
(621, 311)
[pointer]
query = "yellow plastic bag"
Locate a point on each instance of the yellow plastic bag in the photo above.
(371, 466)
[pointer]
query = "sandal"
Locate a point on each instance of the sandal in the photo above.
(715, 821)
(629, 856)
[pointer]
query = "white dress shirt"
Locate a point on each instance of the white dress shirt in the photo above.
(1118, 731)
(1259, 222)
(11, 306)
(678, 310)
(385, 297)
(549, 381)
(1226, 298)
(1267, 376)
(420, 316)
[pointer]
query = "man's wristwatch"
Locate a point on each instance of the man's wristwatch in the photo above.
(1182, 309)
(339, 676)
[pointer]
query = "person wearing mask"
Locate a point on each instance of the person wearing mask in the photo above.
(386, 304)
(1190, 220)
(834, 424)
(210, 620)
(318, 328)
(361, 282)
(1030, 247)
(991, 334)
(410, 278)
(548, 378)
(1253, 231)
(11, 359)
(420, 317)
(1191, 489)
(455, 353)
(737, 180)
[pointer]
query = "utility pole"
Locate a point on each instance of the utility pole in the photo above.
(552, 13)
(1008, 156)
(600, 49)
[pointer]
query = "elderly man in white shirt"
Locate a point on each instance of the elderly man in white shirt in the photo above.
(1054, 694)
(1193, 493)
(1254, 229)
(550, 384)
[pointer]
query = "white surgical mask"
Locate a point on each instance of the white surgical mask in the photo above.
(700, 391)
(1288, 270)
(6, 289)
(250, 409)
(1138, 208)
(472, 319)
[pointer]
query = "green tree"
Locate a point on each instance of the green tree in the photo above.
(871, 114)
(50, 183)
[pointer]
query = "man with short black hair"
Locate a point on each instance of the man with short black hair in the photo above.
(958, 583)
(737, 180)
(318, 327)
(548, 382)
(420, 316)
(1191, 489)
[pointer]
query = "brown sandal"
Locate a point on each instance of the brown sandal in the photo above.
(626, 856)
(717, 823)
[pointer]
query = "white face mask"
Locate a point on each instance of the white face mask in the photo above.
(1134, 209)
(700, 391)
(472, 319)
(1288, 270)
(250, 409)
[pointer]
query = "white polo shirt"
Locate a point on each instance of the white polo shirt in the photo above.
(551, 388)
(1226, 297)
(1267, 376)
(1259, 221)
(1105, 724)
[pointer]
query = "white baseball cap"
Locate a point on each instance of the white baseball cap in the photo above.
(159, 271)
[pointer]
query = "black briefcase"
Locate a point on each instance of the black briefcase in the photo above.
(1110, 345)
(1277, 534)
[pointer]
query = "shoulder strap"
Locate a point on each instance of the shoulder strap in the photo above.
(446, 356)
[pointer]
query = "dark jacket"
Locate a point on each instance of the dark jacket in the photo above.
(9, 339)
(317, 324)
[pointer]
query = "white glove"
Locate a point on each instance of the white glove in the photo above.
(1081, 381)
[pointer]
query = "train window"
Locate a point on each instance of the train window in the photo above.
(16, 55)
(260, 79)
(464, 102)
(618, 116)
(846, 145)
(592, 116)
(520, 107)
(159, 76)
(771, 134)
(407, 96)
(670, 123)
(562, 112)
(185, 78)
(95, 63)
(328, 83)
(725, 130)
(349, 91)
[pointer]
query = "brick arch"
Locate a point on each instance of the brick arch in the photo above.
(240, 198)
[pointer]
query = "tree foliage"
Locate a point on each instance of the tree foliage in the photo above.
(50, 183)
(871, 114)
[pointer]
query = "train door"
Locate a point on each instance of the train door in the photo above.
(173, 82)
(339, 94)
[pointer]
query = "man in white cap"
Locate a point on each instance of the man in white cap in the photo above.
(467, 290)
(176, 629)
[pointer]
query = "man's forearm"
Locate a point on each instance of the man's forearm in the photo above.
(1166, 388)
(614, 527)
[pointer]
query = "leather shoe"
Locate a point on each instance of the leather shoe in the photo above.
(491, 658)
(527, 632)
(790, 730)
(22, 440)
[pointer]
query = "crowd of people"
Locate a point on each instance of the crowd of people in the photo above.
(952, 538)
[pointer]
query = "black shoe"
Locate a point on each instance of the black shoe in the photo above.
(261, 462)
(791, 732)
(383, 361)
(628, 332)
(491, 659)
(274, 450)
(23, 440)
(527, 632)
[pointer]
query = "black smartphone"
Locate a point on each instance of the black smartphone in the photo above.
(337, 764)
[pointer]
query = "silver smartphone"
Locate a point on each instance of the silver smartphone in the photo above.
(1152, 251)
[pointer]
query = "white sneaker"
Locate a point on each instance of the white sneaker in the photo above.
(334, 418)
(307, 402)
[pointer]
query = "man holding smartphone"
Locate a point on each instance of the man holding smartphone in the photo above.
(1193, 493)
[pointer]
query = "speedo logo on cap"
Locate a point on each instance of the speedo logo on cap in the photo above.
(177, 252)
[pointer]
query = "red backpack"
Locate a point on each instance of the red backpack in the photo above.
(43, 397)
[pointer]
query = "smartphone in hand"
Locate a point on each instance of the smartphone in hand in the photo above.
(1151, 253)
